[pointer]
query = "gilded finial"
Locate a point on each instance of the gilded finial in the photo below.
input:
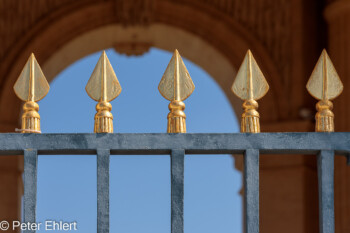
(31, 86)
(250, 85)
(103, 86)
(176, 85)
(324, 85)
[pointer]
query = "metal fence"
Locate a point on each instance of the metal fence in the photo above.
(324, 145)
(176, 85)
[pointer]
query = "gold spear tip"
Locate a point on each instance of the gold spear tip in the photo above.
(176, 77)
(250, 82)
(31, 84)
(102, 73)
(324, 82)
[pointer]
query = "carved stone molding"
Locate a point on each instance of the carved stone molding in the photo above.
(268, 20)
(135, 12)
(132, 48)
(268, 23)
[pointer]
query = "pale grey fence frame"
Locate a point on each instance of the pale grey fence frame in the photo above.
(324, 145)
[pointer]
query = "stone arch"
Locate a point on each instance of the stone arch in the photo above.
(217, 43)
(136, 40)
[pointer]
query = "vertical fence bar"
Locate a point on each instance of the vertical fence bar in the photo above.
(177, 191)
(30, 184)
(325, 170)
(103, 190)
(251, 190)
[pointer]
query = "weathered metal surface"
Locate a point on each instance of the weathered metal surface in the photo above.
(177, 191)
(250, 85)
(323, 144)
(176, 85)
(103, 190)
(325, 85)
(31, 86)
(325, 167)
(281, 143)
(30, 184)
(103, 86)
(250, 82)
(324, 82)
(251, 190)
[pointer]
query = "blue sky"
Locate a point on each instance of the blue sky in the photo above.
(139, 185)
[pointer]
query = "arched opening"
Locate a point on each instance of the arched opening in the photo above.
(223, 41)
(216, 46)
(140, 192)
(138, 40)
(55, 29)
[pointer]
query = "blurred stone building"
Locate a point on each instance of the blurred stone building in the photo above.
(285, 36)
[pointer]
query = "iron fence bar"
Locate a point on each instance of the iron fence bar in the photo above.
(103, 156)
(325, 144)
(177, 190)
(251, 190)
(30, 186)
(325, 168)
(235, 143)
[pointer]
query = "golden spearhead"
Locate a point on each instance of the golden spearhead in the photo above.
(324, 85)
(176, 85)
(103, 86)
(250, 85)
(31, 86)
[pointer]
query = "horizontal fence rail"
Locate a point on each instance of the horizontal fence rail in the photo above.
(158, 143)
(323, 145)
